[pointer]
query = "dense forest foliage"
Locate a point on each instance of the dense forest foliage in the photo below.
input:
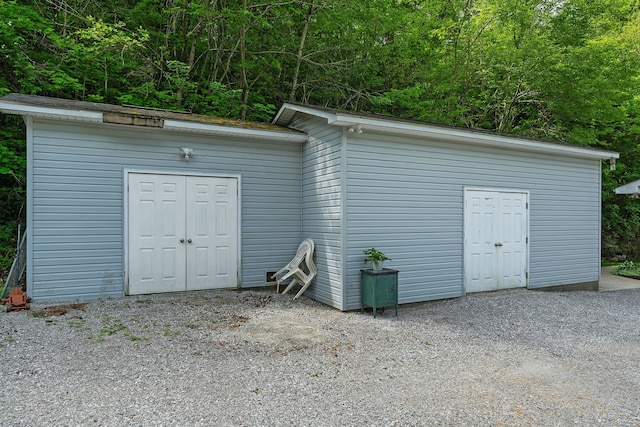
(562, 70)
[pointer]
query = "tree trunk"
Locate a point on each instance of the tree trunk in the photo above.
(244, 84)
(303, 37)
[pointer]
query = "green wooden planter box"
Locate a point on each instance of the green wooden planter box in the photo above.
(379, 289)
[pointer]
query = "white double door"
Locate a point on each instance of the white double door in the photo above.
(496, 240)
(182, 233)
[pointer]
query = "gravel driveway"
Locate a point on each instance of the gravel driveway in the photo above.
(227, 358)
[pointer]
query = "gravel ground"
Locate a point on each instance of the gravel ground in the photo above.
(227, 358)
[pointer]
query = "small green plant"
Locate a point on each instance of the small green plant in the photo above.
(9, 339)
(38, 313)
(111, 327)
(374, 255)
(133, 337)
(171, 333)
(76, 324)
(191, 325)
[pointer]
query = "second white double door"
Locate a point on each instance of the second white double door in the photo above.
(496, 240)
(183, 233)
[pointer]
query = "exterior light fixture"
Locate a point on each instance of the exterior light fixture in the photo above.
(355, 129)
(187, 153)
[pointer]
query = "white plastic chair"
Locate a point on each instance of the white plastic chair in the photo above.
(301, 268)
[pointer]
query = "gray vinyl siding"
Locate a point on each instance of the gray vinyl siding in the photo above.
(322, 208)
(78, 202)
(405, 197)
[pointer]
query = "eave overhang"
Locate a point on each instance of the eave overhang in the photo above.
(203, 128)
(9, 107)
(361, 123)
(632, 188)
(77, 111)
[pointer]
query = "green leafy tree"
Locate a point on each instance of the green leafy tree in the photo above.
(562, 70)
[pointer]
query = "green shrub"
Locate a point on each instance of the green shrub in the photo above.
(627, 268)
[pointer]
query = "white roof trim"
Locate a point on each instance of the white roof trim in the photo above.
(50, 113)
(449, 133)
(10, 107)
(234, 131)
(480, 138)
(632, 187)
(331, 117)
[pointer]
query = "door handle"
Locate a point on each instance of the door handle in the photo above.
(181, 240)
(498, 244)
(189, 240)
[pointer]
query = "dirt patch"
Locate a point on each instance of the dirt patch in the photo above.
(58, 310)
(281, 327)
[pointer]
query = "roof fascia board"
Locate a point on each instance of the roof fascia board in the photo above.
(289, 136)
(449, 134)
(331, 117)
(50, 113)
(475, 138)
(629, 188)
(97, 117)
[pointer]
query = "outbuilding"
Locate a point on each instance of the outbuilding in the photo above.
(126, 200)
(631, 188)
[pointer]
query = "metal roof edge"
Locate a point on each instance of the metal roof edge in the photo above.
(363, 122)
(632, 187)
(71, 110)
(204, 128)
(480, 138)
(281, 119)
(12, 107)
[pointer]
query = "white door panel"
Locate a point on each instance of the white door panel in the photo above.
(495, 240)
(480, 240)
(182, 233)
(512, 234)
(156, 216)
(212, 228)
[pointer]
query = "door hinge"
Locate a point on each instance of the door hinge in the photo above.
(526, 205)
(526, 274)
(526, 240)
